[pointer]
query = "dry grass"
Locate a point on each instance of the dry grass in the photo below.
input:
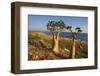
(40, 47)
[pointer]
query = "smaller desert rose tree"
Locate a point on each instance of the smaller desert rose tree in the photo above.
(55, 27)
(74, 37)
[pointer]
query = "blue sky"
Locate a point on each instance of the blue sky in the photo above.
(39, 22)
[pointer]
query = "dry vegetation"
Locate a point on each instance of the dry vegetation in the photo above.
(40, 47)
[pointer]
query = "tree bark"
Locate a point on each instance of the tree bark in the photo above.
(73, 49)
(56, 43)
(53, 40)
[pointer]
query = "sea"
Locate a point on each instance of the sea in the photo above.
(80, 36)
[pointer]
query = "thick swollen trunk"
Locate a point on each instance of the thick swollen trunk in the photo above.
(73, 49)
(53, 35)
(56, 44)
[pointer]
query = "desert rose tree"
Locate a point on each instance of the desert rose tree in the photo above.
(74, 37)
(55, 27)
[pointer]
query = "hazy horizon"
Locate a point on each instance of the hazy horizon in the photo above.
(49, 31)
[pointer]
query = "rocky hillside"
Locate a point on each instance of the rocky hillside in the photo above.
(40, 47)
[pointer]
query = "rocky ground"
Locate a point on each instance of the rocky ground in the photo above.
(40, 47)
